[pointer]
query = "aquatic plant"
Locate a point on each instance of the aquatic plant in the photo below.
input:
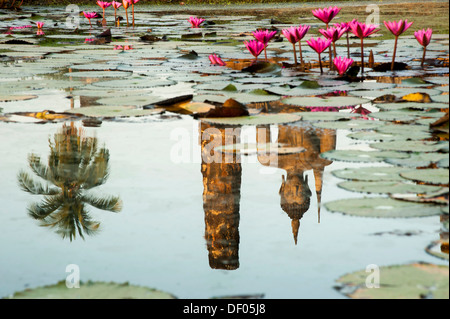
(301, 32)
(342, 64)
(116, 5)
(264, 36)
(397, 28)
(195, 21)
(132, 2)
(326, 15)
(126, 4)
(424, 37)
(103, 5)
(291, 36)
(362, 30)
(254, 47)
(346, 27)
(334, 34)
(319, 45)
(216, 60)
(39, 24)
(89, 16)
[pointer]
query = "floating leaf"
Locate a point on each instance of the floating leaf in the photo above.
(349, 125)
(361, 156)
(420, 160)
(376, 136)
(382, 207)
(438, 176)
(412, 281)
(371, 173)
(412, 105)
(9, 98)
(332, 101)
(255, 119)
(92, 290)
(387, 187)
(113, 111)
(410, 146)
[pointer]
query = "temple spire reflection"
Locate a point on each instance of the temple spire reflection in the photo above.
(221, 196)
(295, 192)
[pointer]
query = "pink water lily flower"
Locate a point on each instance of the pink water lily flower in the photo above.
(342, 64)
(89, 16)
(103, 5)
(319, 45)
(216, 60)
(132, 2)
(195, 22)
(264, 36)
(291, 35)
(254, 47)
(362, 30)
(116, 5)
(334, 34)
(39, 24)
(424, 38)
(396, 28)
(40, 32)
(326, 14)
(301, 32)
(346, 27)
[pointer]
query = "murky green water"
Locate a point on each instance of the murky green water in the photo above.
(189, 225)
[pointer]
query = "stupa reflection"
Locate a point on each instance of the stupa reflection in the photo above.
(295, 192)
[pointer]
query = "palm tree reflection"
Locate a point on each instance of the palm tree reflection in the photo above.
(75, 166)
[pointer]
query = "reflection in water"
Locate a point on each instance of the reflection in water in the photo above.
(75, 166)
(221, 197)
(294, 192)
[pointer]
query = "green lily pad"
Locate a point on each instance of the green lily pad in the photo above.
(332, 101)
(255, 119)
(441, 98)
(412, 105)
(113, 111)
(371, 173)
(412, 281)
(326, 116)
(92, 290)
(133, 83)
(382, 207)
(376, 136)
(438, 176)
(10, 98)
(404, 116)
(420, 160)
(349, 124)
(361, 156)
(387, 187)
(410, 146)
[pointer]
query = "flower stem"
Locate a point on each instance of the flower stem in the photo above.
(126, 13)
(301, 55)
(295, 54)
(362, 55)
(329, 51)
(348, 47)
(132, 8)
(395, 52)
(423, 56)
(320, 64)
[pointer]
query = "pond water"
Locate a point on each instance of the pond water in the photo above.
(189, 223)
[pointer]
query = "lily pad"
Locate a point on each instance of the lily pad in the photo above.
(255, 119)
(9, 98)
(382, 207)
(376, 136)
(412, 105)
(361, 156)
(371, 173)
(349, 124)
(420, 160)
(332, 101)
(412, 281)
(387, 187)
(92, 290)
(438, 176)
(113, 111)
(410, 146)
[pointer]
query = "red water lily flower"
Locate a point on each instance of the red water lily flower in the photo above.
(396, 28)
(319, 45)
(89, 16)
(254, 47)
(195, 22)
(362, 30)
(264, 36)
(326, 14)
(342, 64)
(424, 38)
